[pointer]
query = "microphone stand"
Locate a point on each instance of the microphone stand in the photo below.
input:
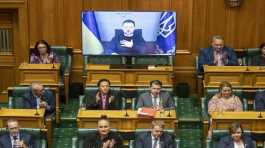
(37, 111)
(169, 113)
(260, 115)
(126, 113)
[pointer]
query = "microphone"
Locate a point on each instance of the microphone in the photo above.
(260, 115)
(126, 112)
(53, 63)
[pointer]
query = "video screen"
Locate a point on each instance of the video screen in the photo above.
(128, 33)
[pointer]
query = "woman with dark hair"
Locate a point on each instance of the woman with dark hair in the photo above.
(259, 60)
(236, 138)
(225, 100)
(42, 54)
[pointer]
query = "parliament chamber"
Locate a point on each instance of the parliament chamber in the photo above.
(72, 71)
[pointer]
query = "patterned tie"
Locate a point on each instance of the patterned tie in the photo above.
(104, 99)
(155, 143)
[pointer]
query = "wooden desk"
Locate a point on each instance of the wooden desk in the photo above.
(249, 120)
(89, 119)
(27, 119)
(46, 74)
(43, 73)
(128, 77)
(245, 77)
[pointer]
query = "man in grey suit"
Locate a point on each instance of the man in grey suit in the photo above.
(15, 138)
(156, 138)
(155, 97)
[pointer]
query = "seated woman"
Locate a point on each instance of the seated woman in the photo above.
(42, 54)
(259, 60)
(236, 138)
(225, 100)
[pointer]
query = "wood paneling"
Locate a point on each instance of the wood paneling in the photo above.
(58, 22)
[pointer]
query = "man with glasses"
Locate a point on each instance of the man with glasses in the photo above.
(38, 97)
(14, 138)
(217, 54)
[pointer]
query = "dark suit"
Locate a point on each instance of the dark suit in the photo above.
(260, 100)
(94, 141)
(5, 140)
(144, 140)
(138, 43)
(145, 100)
(29, 101)
(227, 142)
(206, 57)
(112, 104)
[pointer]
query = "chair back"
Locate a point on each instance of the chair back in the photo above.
(141, 90)
(39, 137)
(83, 133)
(153, 60)
(65, 57)
(210, 92)
(251, 53)
(218, 134)
(15, 96)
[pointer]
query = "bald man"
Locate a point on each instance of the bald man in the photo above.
(38, 97)
(15, 138)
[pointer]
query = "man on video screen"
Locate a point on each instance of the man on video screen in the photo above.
(127, 40)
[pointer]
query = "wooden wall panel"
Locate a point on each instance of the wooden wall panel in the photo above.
(58, 22)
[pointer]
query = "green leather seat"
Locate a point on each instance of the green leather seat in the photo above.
(92, 90)
(140, 131)
(65, 56)
(36, 133)
(212, 142)
(101, 59)
(15, 97)
(251, 53)
(153, 60)
(141, 90)
(211, 92)
(82, 134)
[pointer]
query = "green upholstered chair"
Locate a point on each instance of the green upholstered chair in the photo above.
(65, 57)
(141, 90)
(101, 59)
(251, 53)
(212, 142)
(37, 134)
(140, 131)
(153, 60)
(92, 90)
(211, 92)
(205, 100)
(82, 134)
(15, 98)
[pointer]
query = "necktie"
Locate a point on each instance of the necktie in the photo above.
(104, 99)
(155, 143)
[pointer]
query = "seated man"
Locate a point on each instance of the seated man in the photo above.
(103, 138)
(14, 138)
(259, 60)
(260, 100)
(38, 97)
(156, 138)
(155, 98)
(217, 54)
(128, 40)
(104, 98)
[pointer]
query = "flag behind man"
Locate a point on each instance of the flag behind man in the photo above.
(90, 35)
(166, 38)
